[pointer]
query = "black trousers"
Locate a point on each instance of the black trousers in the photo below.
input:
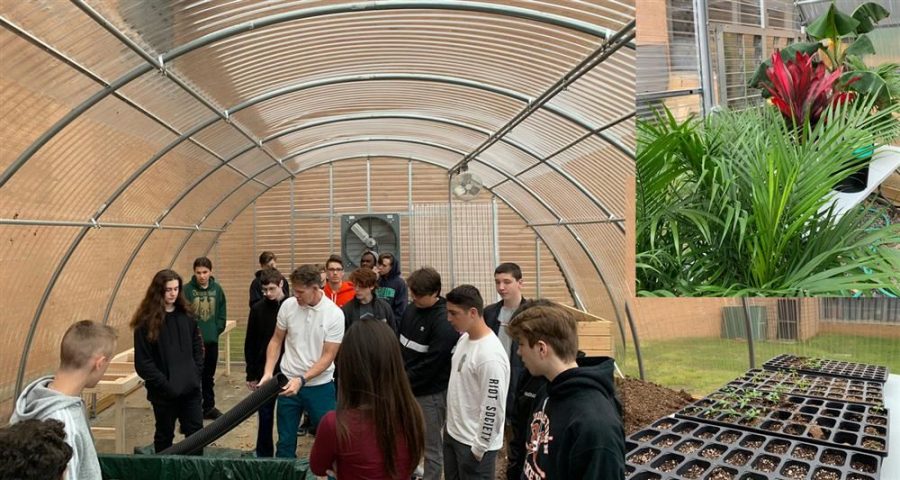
(186, 409)
(265, 447)
(210, 359)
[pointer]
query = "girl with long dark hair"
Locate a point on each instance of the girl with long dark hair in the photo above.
(168, 355)
(377, 431)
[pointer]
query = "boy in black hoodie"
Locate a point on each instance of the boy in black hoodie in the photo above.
(576, 429)
(391, 288)
(266, 260)
(260, 327)
(426, 342)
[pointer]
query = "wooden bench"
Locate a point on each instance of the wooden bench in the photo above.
(121, 380)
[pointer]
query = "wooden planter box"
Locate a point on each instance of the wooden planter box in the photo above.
(594, 334)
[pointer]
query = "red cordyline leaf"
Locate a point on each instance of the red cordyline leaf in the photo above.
(802, 89)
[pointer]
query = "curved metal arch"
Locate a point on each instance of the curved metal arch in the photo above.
(446, 121)
(160, 62)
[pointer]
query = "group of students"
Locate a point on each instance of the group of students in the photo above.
(393, 388)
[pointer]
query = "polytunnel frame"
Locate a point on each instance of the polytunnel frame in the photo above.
(160, 63)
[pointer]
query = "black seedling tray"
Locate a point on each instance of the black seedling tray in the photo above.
(685, 449)
(845, 425)
(814, 386)
(832, 368)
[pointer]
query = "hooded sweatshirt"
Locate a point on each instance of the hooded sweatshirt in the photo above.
(426, 341)
(260, 328)
(344, 294)
(256, 293)
(209, 305)
(576, 429)
(171, 365)
(39, 402)
(392, 289)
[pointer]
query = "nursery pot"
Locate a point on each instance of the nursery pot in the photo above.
(859, 178)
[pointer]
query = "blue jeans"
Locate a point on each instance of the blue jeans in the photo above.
(317, 400)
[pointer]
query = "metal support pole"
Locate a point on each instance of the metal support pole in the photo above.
(368, 184)
(293, 225)
(537, 266)
(450, 231)
(409, 208)
(636, 339)
(749, 326)
(495, 221)
(331, 206)
(255, 233)
(701, 30)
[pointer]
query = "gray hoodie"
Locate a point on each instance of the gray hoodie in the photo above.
(38, 402)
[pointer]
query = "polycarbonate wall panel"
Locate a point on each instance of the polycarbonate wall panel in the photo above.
(272, 175)
(601, 169)
(607, 244)
(158, 94)
(32, 81)
(204, 196)
(666, 47)
(588, 97)
(80, 293)
(199, 245)
(252, 162)
(155, 189)
(529, 207)
(544, 132)
(236, 202)
(28, 258)
(223, 139)
(270, 217)
(68, 30)
(349, 187)
(558, 192)
(77, 171)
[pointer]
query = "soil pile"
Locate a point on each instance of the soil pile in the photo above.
(643, 402)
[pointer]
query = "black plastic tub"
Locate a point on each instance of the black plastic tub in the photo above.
(694, 450)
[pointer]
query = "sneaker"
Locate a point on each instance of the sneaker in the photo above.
(301, 431)
(212, 414)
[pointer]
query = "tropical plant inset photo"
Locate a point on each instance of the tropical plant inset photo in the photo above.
(745, 202)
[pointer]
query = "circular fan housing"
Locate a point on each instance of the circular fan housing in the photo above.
(377, 232)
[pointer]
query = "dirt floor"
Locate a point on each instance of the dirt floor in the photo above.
(643, 403)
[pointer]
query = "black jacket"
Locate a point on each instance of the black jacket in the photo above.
(382, 312)
(256, 293)
(260, 328)
(392, 289)
(171, 365)
(516, 367)
(427, 340)
(576, 429)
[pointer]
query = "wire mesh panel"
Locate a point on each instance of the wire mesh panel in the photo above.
(429, 237)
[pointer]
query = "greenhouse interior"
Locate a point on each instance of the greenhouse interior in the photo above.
(631, 160)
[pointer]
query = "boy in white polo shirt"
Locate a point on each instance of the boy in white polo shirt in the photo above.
(476, 396)
(311, 328)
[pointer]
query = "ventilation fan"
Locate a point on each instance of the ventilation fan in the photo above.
(465, 185)
(377, 232)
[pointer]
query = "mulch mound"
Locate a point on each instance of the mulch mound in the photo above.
(643, 402)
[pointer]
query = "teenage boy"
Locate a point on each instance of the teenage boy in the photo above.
(576, 427)
(508, 282)
(391, 287)
(476, 397)
(336, 289)
(368, 260)
(208, 300)
(365, 303)
(85, 353)
(426, 341)
(267, 259)
(260, 328)
(310, 327)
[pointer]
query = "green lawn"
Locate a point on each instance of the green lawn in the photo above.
(701, 365)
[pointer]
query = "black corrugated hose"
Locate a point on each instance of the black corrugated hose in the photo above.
(229, 419)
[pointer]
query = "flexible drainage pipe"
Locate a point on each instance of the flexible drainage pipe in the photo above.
(229, 419)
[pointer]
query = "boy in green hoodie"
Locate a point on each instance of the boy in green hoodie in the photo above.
(85, 353)
(208, 300)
